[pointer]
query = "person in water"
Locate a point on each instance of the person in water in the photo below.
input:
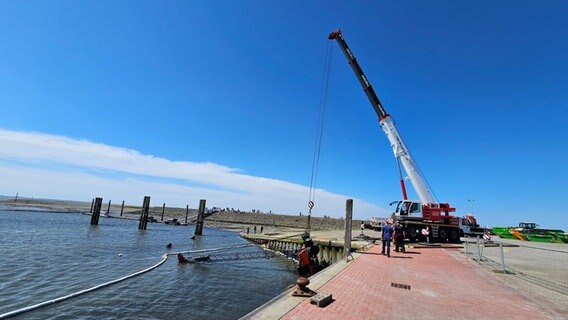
(181, 258)
(169, 245)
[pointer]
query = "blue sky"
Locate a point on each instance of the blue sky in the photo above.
(184, 100)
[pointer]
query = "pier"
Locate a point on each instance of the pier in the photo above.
(330, 242)
(425, 282)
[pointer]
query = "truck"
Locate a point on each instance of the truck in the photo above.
(423, 219)
(375, 223)
(470, 227)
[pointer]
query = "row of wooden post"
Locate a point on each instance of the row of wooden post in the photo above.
(142, 224)
(108, 208)
(96, 205)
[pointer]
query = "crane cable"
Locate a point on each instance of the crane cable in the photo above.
(319, 128)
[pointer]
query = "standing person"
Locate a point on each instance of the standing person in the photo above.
(362, 227)
(386, 235)
(399, 238)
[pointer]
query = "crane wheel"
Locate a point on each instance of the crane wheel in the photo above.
(412, 233)
(454, 236)
(443, 235)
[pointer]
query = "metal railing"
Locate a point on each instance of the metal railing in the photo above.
(533, 262)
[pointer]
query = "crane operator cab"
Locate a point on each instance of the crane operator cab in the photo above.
(407, 210)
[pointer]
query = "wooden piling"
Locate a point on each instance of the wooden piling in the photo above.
(186, 212)
(325, 252)
(348, 226)
(144, 215)
(333, 254)
(108, 208)
(321, 256)
(92, 204)
(200, 218)
(122, 208)
(98, 202)
(163, 210)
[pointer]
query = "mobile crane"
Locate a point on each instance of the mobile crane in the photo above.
(422, 219)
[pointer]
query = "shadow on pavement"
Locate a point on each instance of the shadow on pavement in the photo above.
(412, 252)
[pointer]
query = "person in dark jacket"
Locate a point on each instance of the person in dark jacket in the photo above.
(399, 238)
(386, 236)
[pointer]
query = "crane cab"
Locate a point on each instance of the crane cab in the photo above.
(408, 210)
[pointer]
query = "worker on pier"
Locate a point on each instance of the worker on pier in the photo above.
(399, 238)
(386, 236)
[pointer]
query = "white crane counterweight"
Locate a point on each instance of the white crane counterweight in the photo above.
(414, 214)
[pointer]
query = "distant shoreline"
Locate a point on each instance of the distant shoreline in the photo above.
(230, 220)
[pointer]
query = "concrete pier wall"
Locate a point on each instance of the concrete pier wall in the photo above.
(330, 252)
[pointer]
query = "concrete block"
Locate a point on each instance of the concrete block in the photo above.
(321, 299)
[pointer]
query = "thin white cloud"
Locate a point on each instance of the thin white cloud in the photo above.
(135, 175)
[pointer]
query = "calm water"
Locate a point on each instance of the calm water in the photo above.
(48, 255)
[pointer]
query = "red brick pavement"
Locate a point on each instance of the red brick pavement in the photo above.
(443, 285)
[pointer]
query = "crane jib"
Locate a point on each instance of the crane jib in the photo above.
(367, 88)
(387, 125)
(428, 211)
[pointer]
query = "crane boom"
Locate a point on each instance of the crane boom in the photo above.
(417, 217)
(387, 125)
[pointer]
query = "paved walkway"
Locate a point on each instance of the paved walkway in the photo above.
(443, 285)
